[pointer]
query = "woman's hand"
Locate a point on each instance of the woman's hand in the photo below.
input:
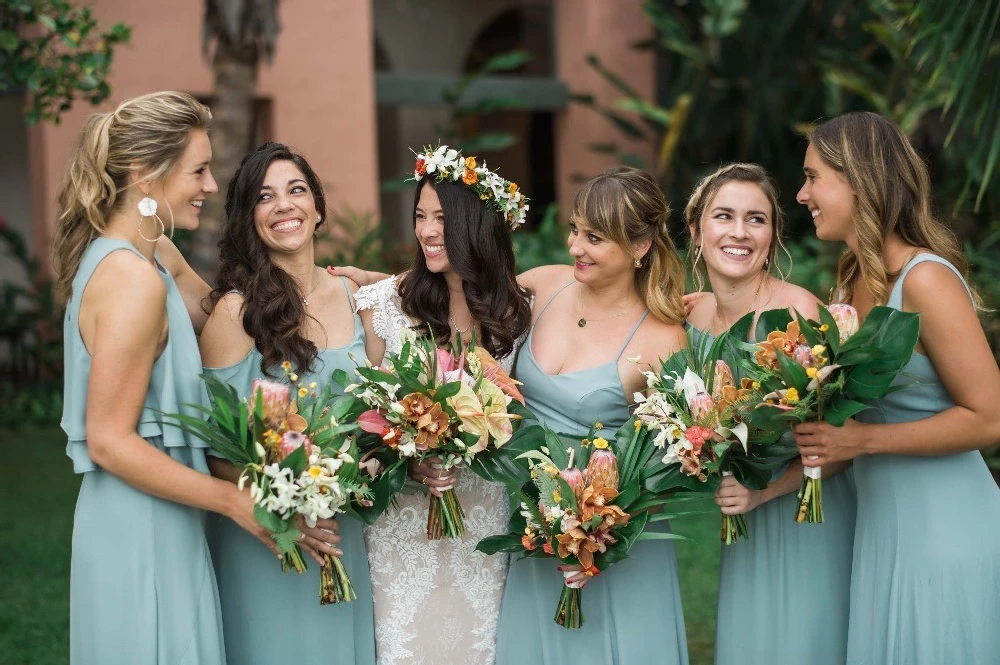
(689, 300)
(242, 513)
(735, 499)
(431, 472)
(357, 275)
(821, 443)
(574, 576)
(320, 540)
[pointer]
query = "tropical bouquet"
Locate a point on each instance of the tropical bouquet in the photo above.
(297, 460)
(455, 404)
(581, 502)
(695, 412)
(826, 370)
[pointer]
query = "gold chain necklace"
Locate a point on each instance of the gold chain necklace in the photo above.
(584, 320)
(718, 328)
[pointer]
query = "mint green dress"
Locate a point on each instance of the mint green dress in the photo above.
(632, 612)
(784, 593)
(142, 588)
(272, 616)
(925, 587)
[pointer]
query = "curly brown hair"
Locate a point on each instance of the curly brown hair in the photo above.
(273, 312)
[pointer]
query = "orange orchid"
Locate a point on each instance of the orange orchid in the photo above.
(779, 342)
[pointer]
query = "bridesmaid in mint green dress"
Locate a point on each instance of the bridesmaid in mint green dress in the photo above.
(142, 587)
(620, 299)
(784, 592)
(273, 304)
(926, 569)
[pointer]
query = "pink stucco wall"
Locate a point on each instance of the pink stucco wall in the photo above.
(605, 28)
(321, 85)
(322, 89)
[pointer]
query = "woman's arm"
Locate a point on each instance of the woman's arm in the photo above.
(736, 499)
(193, 288)
(357, 275)
(224, 342)
(125, 335)
(374, 345)
(953, 339)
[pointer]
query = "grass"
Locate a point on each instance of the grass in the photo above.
(38, 495)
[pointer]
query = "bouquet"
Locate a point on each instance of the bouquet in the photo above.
(581, 502)
(425, 401)
(702, 430)
(827, 370)
(296, 459)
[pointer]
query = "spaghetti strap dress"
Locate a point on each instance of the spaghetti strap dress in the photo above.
(784, 592)
(272, 616)
(632, 612)
(925, 586)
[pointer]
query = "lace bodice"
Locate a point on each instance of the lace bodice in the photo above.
(437, 602)
(382, 298)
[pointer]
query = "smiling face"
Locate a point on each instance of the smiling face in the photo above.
(181, 194)
(428, 227)
(829, 198)
(285, 216)
(596, 258)
(737, 230)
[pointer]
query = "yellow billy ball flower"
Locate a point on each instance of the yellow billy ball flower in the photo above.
(824, 328)
(600, 443)
(792, 396)
(818, 349)
(811, 372)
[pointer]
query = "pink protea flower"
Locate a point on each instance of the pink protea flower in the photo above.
(602, 469)
(723, 378)
(701, 405)
(573, 477)
(846, 318)
(803, 355)
(292, 441)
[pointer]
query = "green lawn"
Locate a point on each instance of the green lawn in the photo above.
(37, 495)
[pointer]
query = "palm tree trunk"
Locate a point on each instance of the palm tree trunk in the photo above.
(232, 129)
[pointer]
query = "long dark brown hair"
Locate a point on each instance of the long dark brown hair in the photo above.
(480, 252)
(273, 311)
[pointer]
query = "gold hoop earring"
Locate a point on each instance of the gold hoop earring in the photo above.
(147, 208)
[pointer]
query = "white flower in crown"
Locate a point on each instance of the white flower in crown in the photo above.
(444, 163)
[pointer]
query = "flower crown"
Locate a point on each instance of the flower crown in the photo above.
(447, 164)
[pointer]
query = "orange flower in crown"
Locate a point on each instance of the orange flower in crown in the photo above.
(446, 164)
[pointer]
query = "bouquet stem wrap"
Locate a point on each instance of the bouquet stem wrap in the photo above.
(568, 612)
(811, 496)
(334, 584)
(445, 517)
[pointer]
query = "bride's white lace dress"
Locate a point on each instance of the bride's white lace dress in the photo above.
(436, 601)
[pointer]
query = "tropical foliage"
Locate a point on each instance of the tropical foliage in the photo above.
(55, 53)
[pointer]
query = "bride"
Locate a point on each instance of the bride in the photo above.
(437, 601)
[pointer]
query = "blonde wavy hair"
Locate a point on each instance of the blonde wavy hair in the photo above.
(892, 189)
(626, 206)
(703, 195)
(147, 133)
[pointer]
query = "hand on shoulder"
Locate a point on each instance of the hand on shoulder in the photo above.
(544, 280)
